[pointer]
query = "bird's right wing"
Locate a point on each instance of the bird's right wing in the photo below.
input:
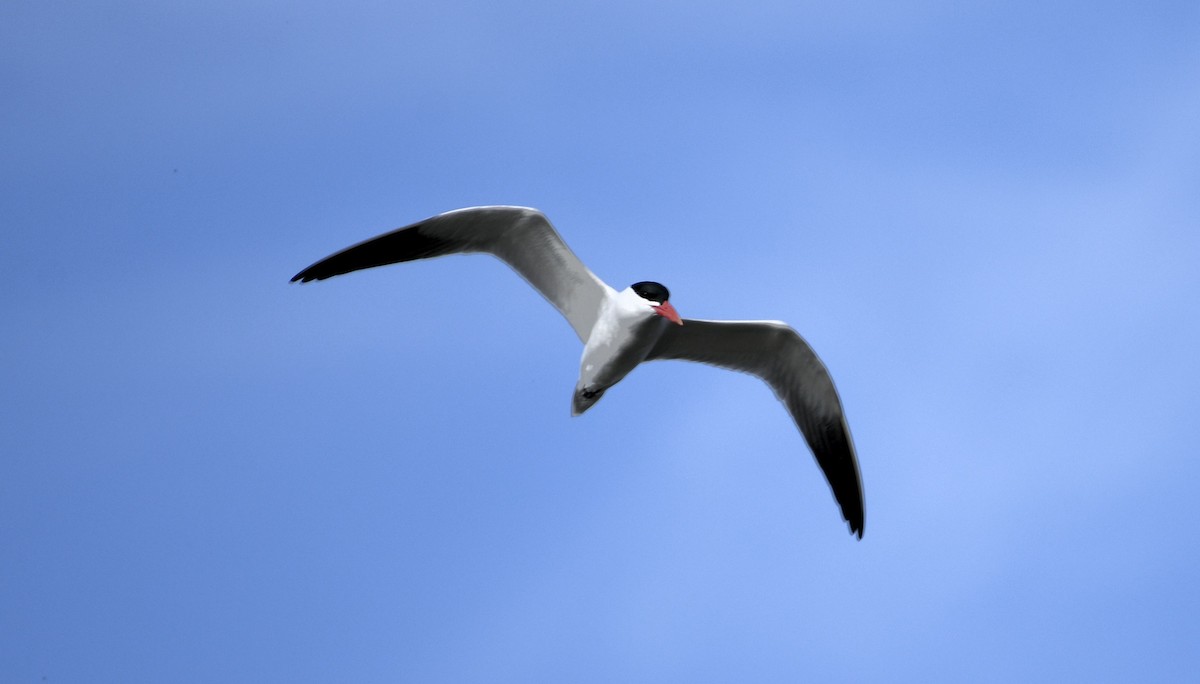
(521, 237)
(776, 353)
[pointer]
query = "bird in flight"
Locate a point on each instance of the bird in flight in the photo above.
(620, 330)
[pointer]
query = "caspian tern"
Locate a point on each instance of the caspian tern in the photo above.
(620, 330)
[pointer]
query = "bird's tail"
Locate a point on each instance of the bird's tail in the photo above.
(584, 399)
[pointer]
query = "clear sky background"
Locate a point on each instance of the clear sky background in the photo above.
(985, 217)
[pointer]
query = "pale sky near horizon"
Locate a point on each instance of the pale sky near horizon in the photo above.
(985, 218)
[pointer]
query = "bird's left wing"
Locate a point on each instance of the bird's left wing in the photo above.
(521, 237)
(776, 353)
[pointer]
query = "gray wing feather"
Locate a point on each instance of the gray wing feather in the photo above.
(776, 353)
(521, 237)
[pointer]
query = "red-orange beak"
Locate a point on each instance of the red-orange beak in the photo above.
(668, 312)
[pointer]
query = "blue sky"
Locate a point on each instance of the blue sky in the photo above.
(985, 219)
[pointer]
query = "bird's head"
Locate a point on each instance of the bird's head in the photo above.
(655, 296)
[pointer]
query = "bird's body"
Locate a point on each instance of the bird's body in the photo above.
(623, 336)
(620, 330)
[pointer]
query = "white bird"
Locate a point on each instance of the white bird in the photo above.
(620, 330)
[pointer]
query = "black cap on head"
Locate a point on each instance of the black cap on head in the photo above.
(654, 292)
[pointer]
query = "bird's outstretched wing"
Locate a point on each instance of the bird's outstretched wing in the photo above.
(521, 237)
(776, 353)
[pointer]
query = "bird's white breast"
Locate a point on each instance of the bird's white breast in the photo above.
(624, 333)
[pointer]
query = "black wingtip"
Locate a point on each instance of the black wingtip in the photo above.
(856, 522)
(403, 244)
(830, 442)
